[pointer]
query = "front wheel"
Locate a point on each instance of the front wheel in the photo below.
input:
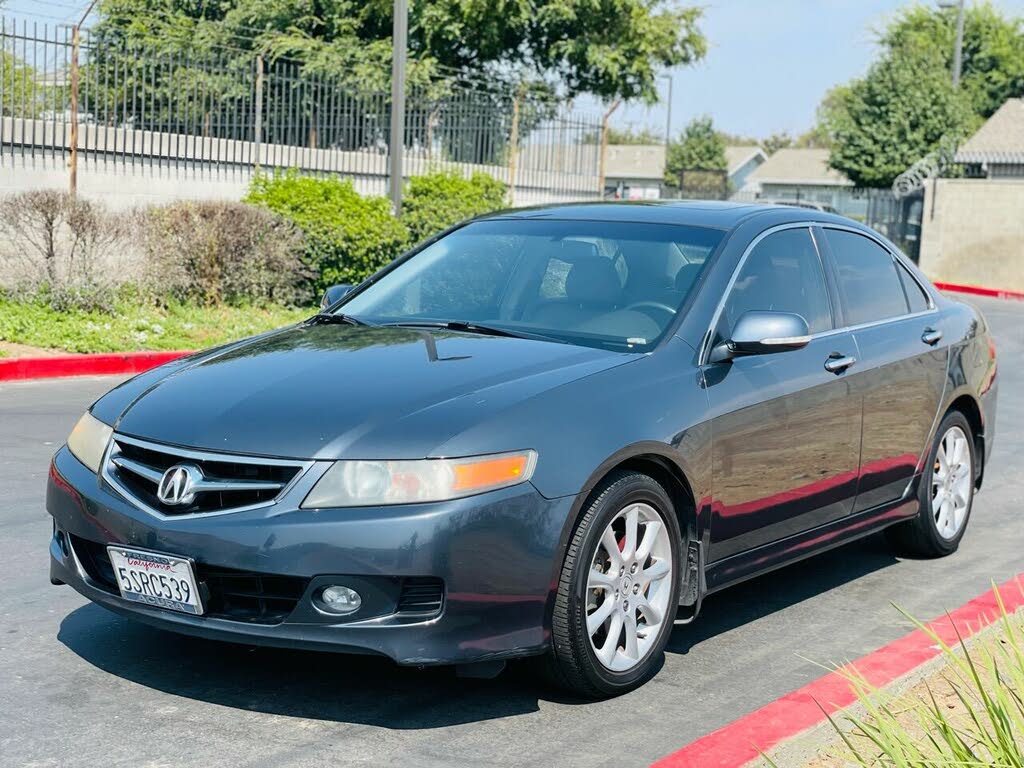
(618, 590)
(946, 494)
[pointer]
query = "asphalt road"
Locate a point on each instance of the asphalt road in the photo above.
(80, 686)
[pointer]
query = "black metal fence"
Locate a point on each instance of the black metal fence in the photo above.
(228, 112)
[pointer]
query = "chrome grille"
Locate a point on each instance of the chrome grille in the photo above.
(222, 482)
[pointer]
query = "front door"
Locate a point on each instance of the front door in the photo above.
(785, 430)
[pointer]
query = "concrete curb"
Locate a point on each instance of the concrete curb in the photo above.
(21, 368)
(744, 740)
(977, 290)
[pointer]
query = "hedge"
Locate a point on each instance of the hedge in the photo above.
(434, 202)
(349, 236)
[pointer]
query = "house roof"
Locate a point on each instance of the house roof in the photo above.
(647, 161)
(635, 161)
(799, 166)
(737, 157)
(1000, 139)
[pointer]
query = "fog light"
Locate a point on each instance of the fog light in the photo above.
(339, 599)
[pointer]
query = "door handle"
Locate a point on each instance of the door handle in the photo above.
(931, 336)
(838, 363)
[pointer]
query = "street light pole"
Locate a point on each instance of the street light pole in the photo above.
(399, 41)
(958, 48)
(668, 116)
(958, 52)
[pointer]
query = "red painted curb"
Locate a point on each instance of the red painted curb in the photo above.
(743, 740)
(18, 368)
(977, 290)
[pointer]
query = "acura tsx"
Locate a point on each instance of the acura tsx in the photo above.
(545, 432)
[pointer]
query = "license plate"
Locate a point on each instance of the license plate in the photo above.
(156, 579)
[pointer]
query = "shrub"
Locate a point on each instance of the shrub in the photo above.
(213, 252)
(436, 201)
(348, 236)
(64, 250)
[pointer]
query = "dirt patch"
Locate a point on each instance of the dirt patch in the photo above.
(9, 349)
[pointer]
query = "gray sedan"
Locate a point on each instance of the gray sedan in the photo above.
(547, 432)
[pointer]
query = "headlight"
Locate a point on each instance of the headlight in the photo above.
(88, 441)
(376, 483)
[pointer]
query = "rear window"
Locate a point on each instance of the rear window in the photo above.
(916, 296)
(868, 279)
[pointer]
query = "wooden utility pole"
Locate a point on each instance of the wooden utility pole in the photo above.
(76, 39)
(604, 144)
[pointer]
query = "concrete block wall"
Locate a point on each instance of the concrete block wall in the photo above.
(972, 232)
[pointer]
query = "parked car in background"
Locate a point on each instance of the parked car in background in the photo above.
(551, 432)
(825, 207)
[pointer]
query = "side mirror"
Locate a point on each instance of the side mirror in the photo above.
(762, 333)
(333, 294)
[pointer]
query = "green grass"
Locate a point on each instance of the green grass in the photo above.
(972, 714)
(132, 327)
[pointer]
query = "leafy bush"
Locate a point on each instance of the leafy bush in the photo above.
(213, 252)
(436, 201)
(348, 236)
(65, 250)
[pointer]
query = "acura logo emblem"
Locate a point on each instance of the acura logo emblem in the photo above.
(179, 484)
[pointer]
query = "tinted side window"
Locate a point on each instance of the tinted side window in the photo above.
(915, 295)
(867, 278)
(783, 273)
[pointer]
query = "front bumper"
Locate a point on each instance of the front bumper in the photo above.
(496, 554)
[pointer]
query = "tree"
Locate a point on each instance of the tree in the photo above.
(629, 135)
(777, 141)
(993, 49)
(894, 116)
(699, 148)
(881, 124)
(610, 49)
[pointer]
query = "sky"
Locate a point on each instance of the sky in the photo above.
(769, 63)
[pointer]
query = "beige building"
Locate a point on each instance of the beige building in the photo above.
(637, 171)
(801, 174)
(996, 151)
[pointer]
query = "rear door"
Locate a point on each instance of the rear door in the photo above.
(901, 370)
(786, 431)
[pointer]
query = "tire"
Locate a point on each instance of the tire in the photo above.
(930, 534)
(629, 587)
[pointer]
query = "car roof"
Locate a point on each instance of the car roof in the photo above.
(698, 213)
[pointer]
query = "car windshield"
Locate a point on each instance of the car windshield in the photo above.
(613, 285)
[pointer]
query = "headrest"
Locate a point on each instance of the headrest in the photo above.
(593, 281)
(576, 251)
(686, 277)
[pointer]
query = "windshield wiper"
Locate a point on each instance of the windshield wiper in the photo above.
(466, 326)
(334, 318)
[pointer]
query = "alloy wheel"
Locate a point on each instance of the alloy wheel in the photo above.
(952, 476)
(629, 585)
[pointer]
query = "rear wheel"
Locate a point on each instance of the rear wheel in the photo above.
(618, 590)
(946, 493)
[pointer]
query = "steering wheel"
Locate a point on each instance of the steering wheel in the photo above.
(644, 306)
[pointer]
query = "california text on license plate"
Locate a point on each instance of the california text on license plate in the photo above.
(156, 579)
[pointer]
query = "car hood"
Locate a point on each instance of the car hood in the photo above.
(333, 391)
